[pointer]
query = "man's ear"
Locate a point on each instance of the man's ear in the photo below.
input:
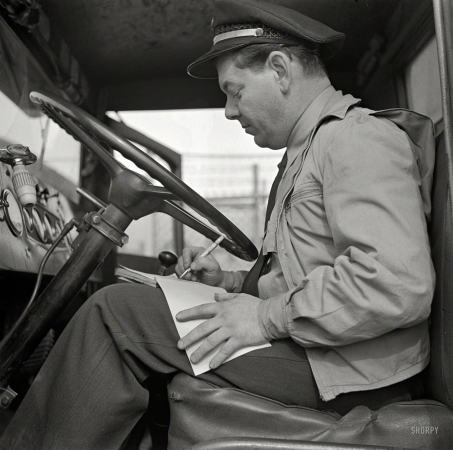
(280, 63)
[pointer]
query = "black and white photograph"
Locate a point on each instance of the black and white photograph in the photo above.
(226, 224)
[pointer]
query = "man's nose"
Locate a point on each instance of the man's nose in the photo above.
(231, 110)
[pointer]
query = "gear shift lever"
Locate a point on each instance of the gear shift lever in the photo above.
(166, 259)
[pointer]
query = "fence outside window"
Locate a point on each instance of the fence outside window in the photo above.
(237, 185)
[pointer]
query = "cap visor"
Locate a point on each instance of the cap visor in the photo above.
(203, 67)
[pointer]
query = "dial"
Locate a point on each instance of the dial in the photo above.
(49, 227)
(13, 213)
(39, 226)
(28, 219)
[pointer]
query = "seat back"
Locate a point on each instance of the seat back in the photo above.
(440, 373)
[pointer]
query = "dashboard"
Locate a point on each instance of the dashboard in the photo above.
(26, 233)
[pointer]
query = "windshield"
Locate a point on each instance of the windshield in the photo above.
(21, 122)
(219, 161)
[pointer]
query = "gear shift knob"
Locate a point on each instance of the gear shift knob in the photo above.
(166, 259)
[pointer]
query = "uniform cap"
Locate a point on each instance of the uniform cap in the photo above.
(239, 23)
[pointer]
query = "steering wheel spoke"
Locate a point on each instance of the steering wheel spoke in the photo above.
(133, 194)
(178, 213)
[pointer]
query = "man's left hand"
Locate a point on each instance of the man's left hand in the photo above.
(232, 321)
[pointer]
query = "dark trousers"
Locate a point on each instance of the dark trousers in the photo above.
(91, 390)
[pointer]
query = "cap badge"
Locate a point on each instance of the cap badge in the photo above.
(257, 32)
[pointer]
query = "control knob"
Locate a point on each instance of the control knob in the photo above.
(18, 156)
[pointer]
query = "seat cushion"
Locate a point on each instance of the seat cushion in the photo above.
(201, 411)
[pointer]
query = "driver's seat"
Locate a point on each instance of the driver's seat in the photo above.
(201, 412)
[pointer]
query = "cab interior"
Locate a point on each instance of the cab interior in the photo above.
(115, 56)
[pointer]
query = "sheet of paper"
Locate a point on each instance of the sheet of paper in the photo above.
(180, 295)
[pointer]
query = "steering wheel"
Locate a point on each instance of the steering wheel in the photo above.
(94, 135)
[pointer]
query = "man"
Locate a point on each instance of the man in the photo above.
(345, 277)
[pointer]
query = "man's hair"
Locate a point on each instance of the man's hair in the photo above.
(255, 56)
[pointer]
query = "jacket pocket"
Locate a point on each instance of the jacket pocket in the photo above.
(304, 190)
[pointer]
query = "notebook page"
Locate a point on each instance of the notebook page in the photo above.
(182, 294)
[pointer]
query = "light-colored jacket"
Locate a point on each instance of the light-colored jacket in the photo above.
(350, 231)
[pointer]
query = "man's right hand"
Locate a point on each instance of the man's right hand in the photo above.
(205, 270)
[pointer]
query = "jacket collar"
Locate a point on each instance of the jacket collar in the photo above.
(329, 102)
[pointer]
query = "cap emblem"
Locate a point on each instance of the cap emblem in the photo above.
(231, 31)
(239, 33)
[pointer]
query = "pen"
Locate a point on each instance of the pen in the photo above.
(206, 252)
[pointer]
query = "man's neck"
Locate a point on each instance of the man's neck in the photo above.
(310, 89)
(305, 92)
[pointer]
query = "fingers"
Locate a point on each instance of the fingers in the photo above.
(224, 353)
(191, 276)
(198, 333)
(188, 255)
(215, 337)
(204, 263)
(205, 311)
(209, 344)
(200, 266)
(232, 323)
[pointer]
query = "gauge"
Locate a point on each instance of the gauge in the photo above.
(49, 227)
(28, 220)
(13, 213)
(39, 226)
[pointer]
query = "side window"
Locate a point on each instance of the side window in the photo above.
(423, 83)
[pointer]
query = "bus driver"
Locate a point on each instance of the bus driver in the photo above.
(345, 291)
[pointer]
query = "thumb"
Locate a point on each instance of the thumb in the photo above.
(225, 297)
(202, 263)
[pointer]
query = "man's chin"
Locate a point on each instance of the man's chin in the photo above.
(260, 141)
(266, 144)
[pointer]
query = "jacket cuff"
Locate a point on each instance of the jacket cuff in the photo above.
(272, 317)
